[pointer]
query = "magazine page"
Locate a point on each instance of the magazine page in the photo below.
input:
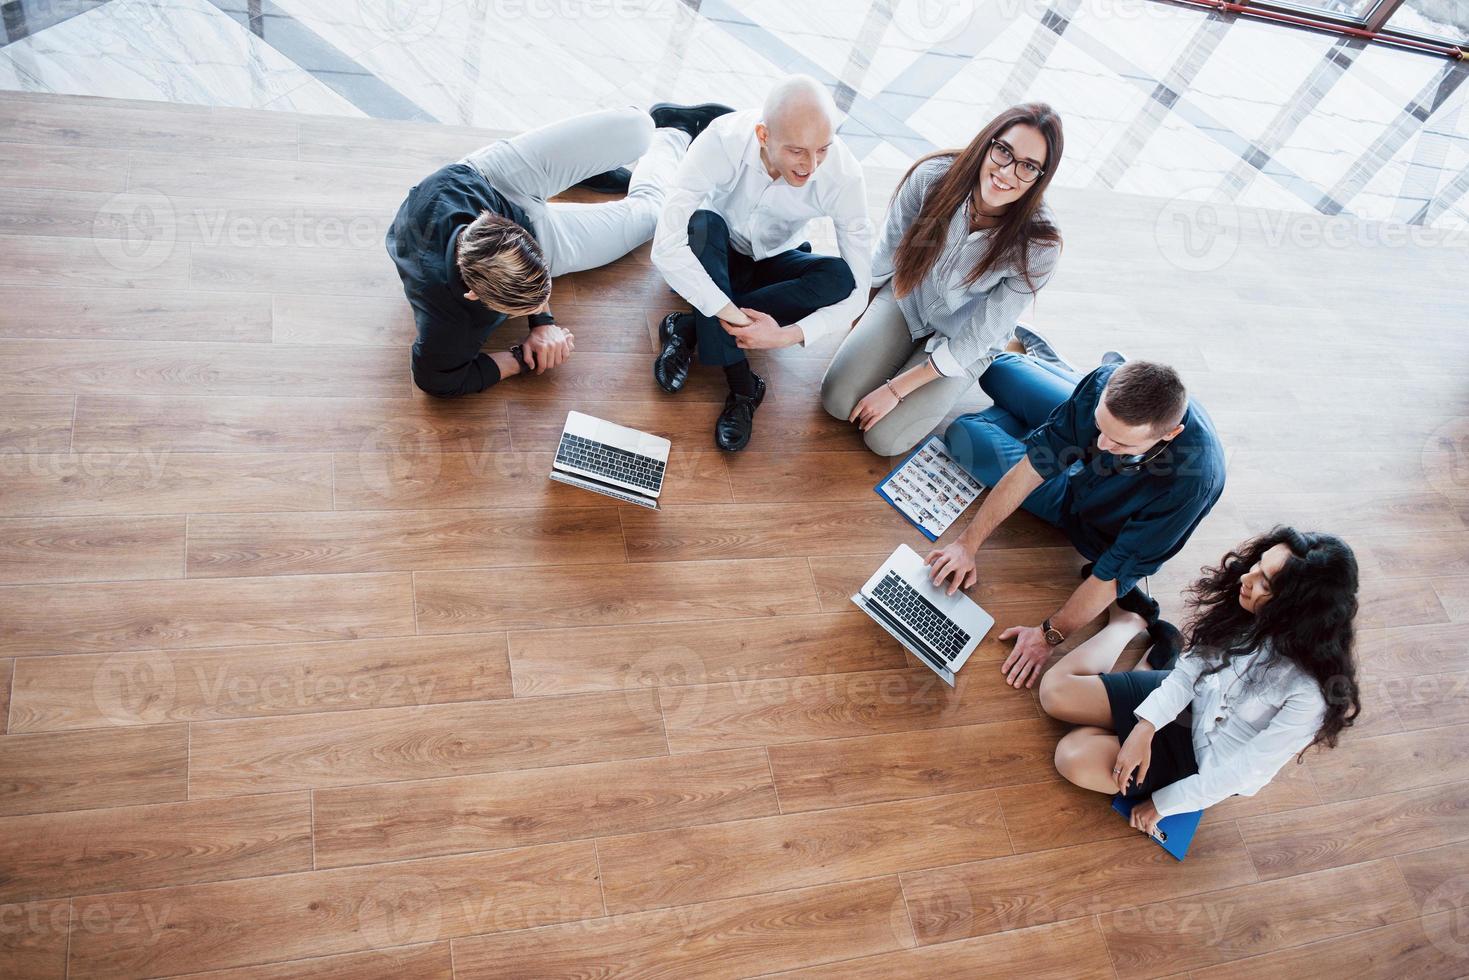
(929, 488)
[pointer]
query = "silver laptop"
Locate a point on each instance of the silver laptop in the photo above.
(611, 459)
(940, 630)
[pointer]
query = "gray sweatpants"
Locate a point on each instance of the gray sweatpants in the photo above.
(537, 165)
(878, 348)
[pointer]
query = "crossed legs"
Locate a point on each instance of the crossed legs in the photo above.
(1072, 691)
(538, 164)
(789, 286)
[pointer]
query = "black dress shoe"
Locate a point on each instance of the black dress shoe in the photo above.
(608, 182)
(671, 369)
(692, 119)
(737, 422)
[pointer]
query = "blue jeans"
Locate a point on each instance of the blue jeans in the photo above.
(1025, 392)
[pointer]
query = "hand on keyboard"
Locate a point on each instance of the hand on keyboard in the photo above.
(954, 563)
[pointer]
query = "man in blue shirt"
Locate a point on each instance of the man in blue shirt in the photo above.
(1122, 461)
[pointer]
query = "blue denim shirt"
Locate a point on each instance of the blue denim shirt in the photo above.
(1129, 520)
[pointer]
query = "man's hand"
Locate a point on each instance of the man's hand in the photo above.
(873, 407)
(547, 346)
(955, 562)
(763, 333)
(1145, 817)
(1023, 666)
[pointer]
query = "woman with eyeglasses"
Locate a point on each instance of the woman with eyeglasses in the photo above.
(967, 243)
(1269, 673)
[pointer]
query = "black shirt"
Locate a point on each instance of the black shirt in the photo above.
(446, 360)
(1128, 519)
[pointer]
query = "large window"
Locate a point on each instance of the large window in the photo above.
(1428, 25)
(1347, 9)
(1447, 20)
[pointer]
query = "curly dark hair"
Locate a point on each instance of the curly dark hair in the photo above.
(1308, 619)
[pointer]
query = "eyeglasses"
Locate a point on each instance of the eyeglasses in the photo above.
(1003, 156)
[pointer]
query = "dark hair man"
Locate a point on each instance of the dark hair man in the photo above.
(1122, 461)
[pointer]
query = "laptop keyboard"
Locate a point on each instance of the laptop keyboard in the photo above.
(921, 616)
(609, 461)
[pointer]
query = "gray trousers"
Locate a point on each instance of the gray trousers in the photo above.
(878, 348)
(542, 163)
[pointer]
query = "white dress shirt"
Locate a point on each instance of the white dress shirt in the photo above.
(722, 172)
(1271, 708)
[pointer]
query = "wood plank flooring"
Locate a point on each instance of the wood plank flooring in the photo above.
(304, 673)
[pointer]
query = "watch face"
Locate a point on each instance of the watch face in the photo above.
(1054, 637)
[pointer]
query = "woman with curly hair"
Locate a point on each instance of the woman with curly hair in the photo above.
(1269, 673)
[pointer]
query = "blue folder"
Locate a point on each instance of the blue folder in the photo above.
(1175, 833)
(894, 504)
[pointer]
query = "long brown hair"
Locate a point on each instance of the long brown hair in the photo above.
(1020, 226)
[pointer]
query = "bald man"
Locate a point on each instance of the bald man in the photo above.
(730, 240)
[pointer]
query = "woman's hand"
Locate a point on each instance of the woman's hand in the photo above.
(1136, 754)
(873, 407)
(1145, 817)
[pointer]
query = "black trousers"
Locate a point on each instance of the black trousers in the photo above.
(787, 287)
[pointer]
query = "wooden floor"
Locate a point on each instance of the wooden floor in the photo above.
(311, 675)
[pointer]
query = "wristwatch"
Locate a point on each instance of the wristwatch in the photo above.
(1054, 637)
(540, 319)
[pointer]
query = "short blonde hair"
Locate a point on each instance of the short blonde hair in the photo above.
(502, 265)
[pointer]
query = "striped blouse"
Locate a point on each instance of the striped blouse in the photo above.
(965, 326)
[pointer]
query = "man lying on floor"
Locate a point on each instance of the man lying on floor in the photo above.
(477, 241)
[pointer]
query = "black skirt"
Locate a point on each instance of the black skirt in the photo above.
(1173, 744)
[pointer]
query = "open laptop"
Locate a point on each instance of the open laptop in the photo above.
(940, 630)
(611, 459)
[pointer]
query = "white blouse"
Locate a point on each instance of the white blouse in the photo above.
(1249, 720)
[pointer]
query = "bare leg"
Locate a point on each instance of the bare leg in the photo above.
(1070, 690)
(1086, 757)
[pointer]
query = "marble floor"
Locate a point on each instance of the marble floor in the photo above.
(1157, 99)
